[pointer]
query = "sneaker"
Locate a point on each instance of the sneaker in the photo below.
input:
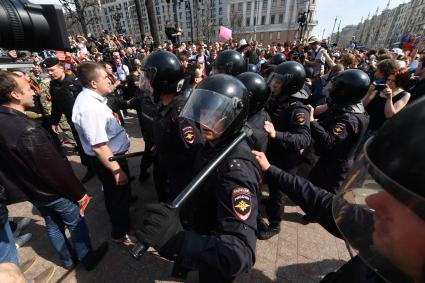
(98, 254)
(28, 264)
(274, 229)
(22, 240)
(21, 226)
(127, 240)
(45, 276)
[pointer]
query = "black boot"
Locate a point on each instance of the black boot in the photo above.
(87, 177)
(274, 229)
(262, 227)
(96, 256)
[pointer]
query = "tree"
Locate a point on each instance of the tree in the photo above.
(152, 21)
(204, 22)
(74, 11)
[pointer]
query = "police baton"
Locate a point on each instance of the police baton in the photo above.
(125, 156)
(140, 248)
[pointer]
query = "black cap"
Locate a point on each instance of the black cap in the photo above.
(49, 62)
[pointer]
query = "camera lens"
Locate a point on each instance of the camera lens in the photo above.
(24, 25)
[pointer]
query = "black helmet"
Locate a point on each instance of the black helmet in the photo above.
(277, 59)
(163, 69)
(292, 76)
(390, 171)
(258, 91)
(349, 87)
(252, 68)
(229, 62)
(225, 100)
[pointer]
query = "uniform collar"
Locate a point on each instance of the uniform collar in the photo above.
(8, 110)
(94, 94)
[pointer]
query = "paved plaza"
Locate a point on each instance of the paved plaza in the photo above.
(301, 253)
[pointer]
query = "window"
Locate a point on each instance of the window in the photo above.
(274, 2)
(263, 20)
(262, 36)
(270, 35)
(247, 21)
(239, 6)
(278, 35)
(272, 19)
(280, 19)
(220, 21)
(248, 7)
(220, 11)
(232, 8)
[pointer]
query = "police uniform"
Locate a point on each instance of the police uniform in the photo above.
(317, 202)
(63, 94)
(220, 218)
(290, 118)
(259, 138)
(175, 140)
(336, 135)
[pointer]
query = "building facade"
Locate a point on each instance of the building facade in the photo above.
(262, 20)
(268, 21)
(386, 29)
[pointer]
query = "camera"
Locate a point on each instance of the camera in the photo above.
(379, 87)
(28, 26)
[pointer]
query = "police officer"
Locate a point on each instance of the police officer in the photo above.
(174, 138)
(340, 129)
(289, 131)
(63, 91)
(219, 220)
(380, 208)
(229, 62)
(278, 59)
(259, 94)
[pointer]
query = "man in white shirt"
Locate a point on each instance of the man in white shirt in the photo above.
(102, 137)
(317, 58)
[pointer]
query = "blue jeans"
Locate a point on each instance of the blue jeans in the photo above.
(8, 251)
(58, 214)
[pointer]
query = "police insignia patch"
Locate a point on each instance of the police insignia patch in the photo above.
(188, 134)
(339, 128)
(241, 203)
(300, 118)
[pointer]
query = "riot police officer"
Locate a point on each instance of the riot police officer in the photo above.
(278, 59)
(379, 209)
(259, 94)
(229, 62)
(219, 220)
(340, 129)
(174, 138)
(289, 131)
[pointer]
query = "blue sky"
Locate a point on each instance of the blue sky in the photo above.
(348, 11)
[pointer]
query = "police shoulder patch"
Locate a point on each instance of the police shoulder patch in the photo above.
(338, 128)
(241, 203)
(300, 118)
(188, 134)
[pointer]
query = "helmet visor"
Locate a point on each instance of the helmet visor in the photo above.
(211, 110)
(355, 218)
(276, 78)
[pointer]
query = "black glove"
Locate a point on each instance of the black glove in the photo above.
(162, 230)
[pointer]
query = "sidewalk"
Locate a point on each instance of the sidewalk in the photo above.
(301, 253)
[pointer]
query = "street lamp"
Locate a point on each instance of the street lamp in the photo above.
(131, 26)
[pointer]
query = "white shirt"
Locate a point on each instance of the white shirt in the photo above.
(319, 68)
(96, 123)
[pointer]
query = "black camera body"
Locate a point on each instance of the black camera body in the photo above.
(379, 87)
(28, 26)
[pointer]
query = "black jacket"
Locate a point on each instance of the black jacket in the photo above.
(31, 163)
(3, 208)
(63, 95)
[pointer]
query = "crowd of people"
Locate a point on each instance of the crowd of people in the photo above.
(326, 129)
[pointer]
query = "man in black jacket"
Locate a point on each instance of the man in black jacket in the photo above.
(64, 90)
(32, 164)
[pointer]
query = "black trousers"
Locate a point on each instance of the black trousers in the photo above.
(117, 198)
